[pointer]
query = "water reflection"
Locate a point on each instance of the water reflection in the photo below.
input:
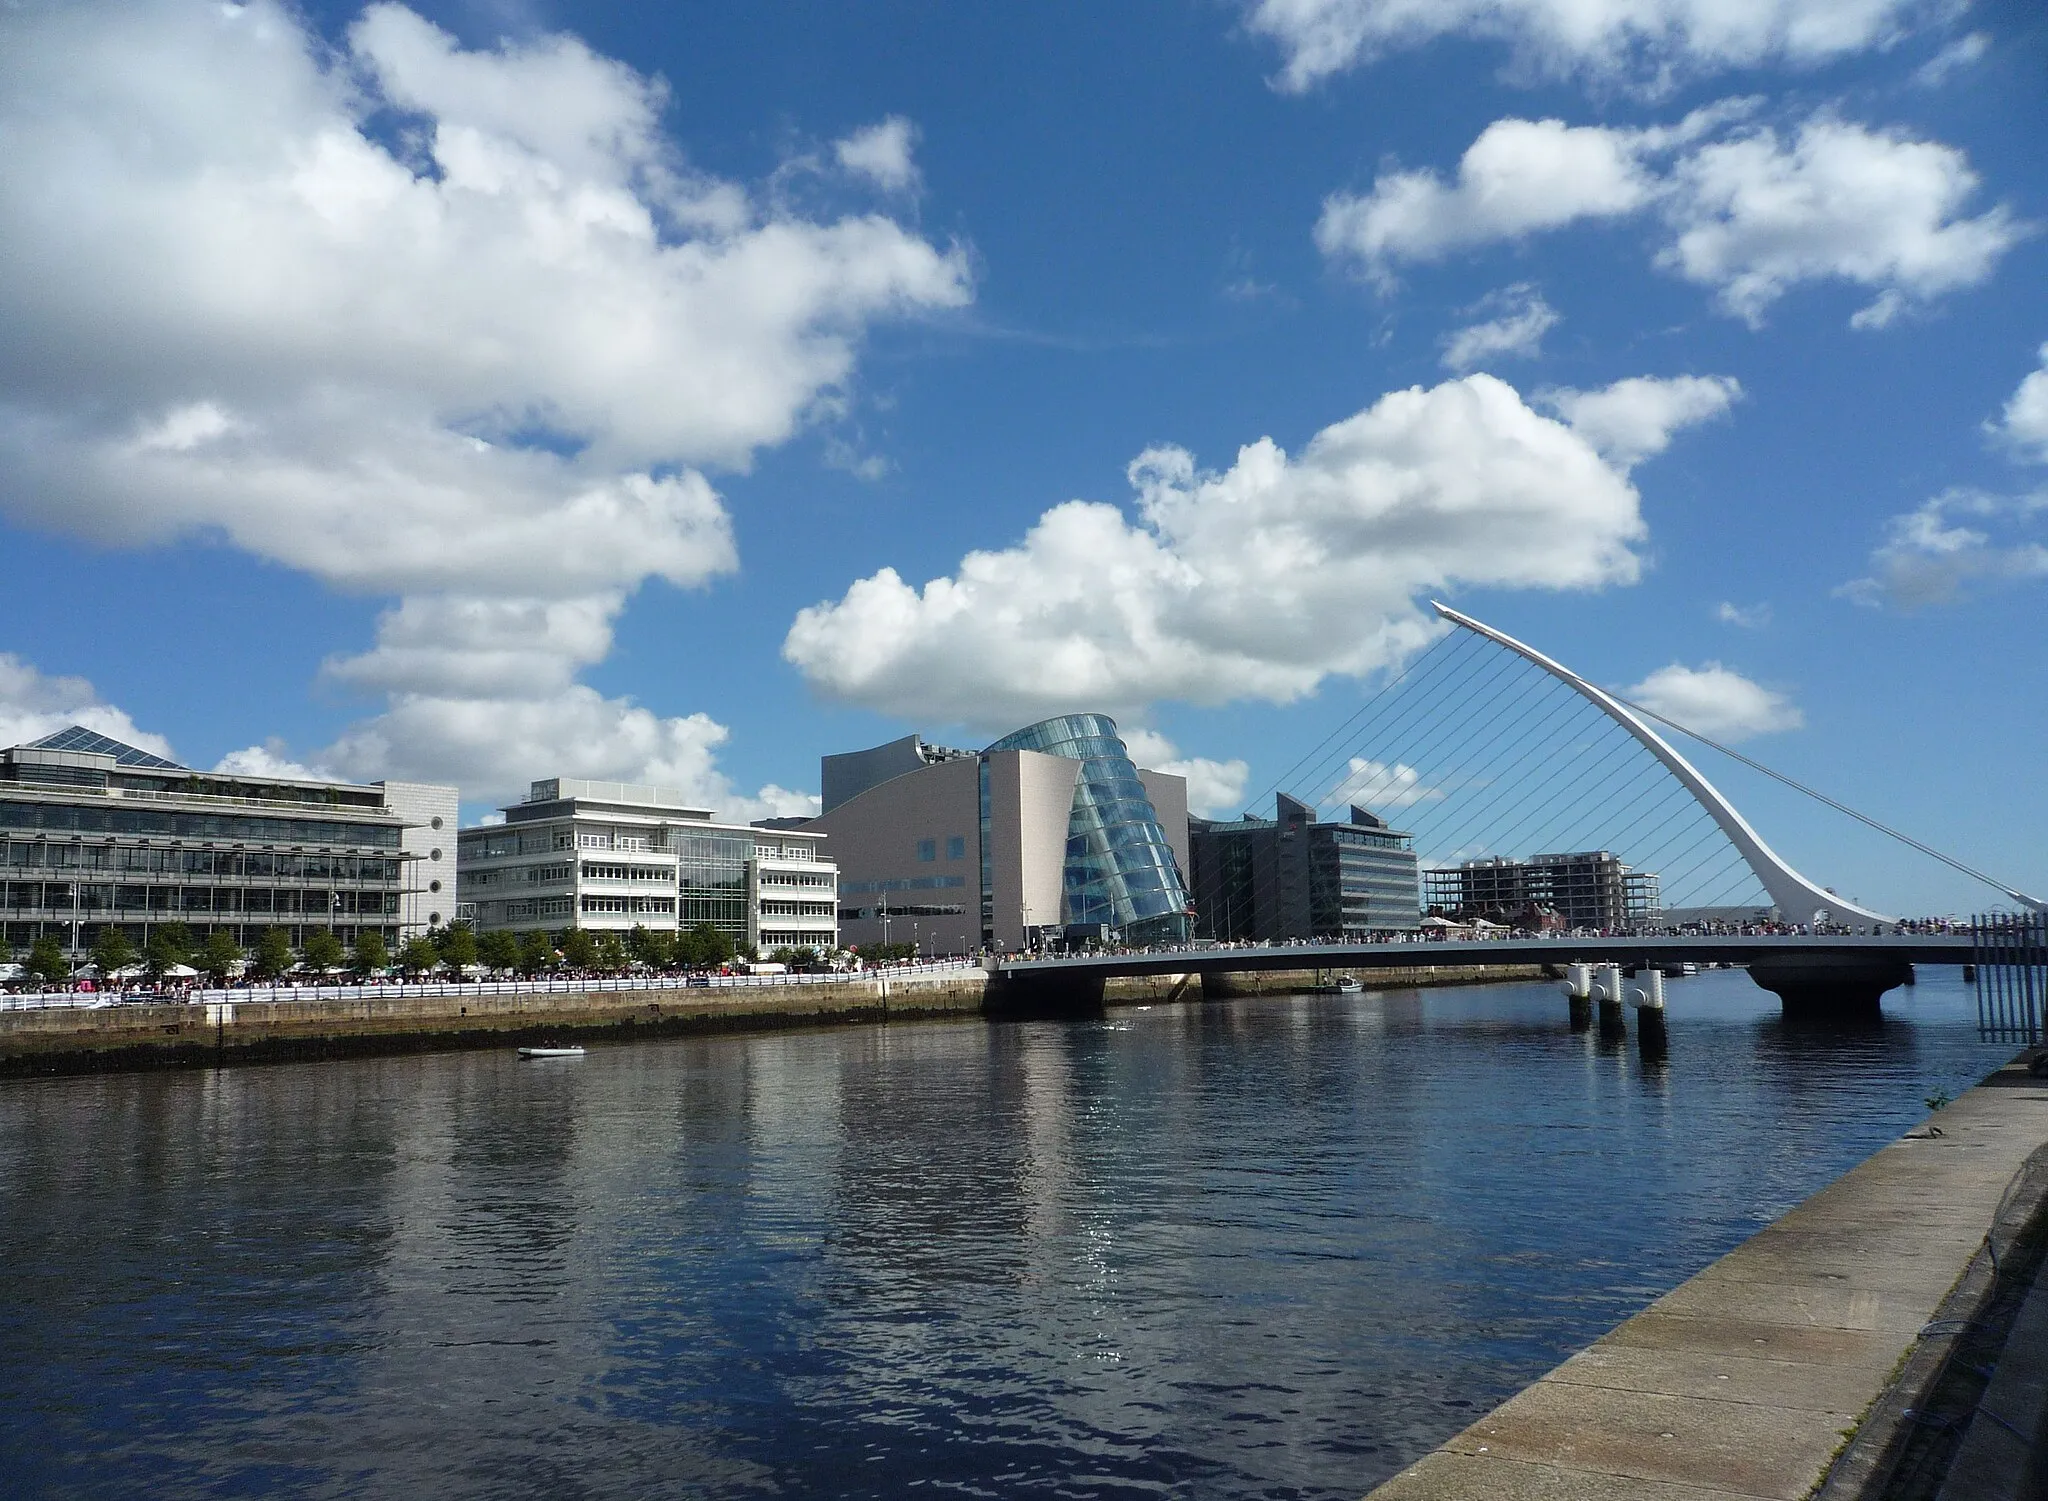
(1271, 1247)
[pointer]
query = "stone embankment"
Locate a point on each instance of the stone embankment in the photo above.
(71, 1040)
(77, 1040)
(1839, 1352)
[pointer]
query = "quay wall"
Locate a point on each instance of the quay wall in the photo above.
(145, 1036)
(82, 1040)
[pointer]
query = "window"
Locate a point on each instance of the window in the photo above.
(956, 847)
(927, 849)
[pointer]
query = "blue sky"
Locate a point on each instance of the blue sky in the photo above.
(479, 392)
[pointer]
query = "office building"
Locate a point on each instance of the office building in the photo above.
(1587, 889)
(612, 856)
(1049, 834)
(98, 832)
(1288, 876)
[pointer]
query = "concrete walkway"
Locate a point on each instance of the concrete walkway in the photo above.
(1746, 1380)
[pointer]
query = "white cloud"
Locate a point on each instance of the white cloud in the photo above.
(1256, 582)
(882, 153)
(34, 704)
(1648, 42)
(1744, 211)
(270, 759)
(459, 326)
(1745, 617)
(1215, 788)
(1634, 419)
(1931, 554)
(1515, 331)
(2024, 422)
(1382, 787)
(1963, 52)
(1754, 215)
(1716, 701)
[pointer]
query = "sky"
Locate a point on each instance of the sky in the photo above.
(480, 392)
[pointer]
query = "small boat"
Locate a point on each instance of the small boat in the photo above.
(1342, 985)
(551, 1052)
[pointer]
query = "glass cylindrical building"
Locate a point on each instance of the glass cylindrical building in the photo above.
(1120, 871)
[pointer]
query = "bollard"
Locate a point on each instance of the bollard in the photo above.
(1608, 993)
(1578, 989)
(1650, 1035)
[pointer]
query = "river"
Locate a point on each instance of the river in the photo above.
(1275, 1247)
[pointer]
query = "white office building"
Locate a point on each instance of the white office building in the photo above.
(612, 856)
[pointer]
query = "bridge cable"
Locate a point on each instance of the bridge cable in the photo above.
(1863, 818)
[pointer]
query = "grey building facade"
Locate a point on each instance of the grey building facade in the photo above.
(98, 833)
(613, 856)
(1050, 833)
(1290, 876)
(1583, 889)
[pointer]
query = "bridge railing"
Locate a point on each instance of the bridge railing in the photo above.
(2011, 954)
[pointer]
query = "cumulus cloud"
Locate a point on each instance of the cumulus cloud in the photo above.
(882, 153)
(1716, 701)
(1634, 419)
(1743, 209)
(457, 326)
(1645, 42)
(1382, 787)
(270, 759)
(2024, 422)
(1512, 323)
(1932, 554)
(34, 704)
(1254, 582)
(1744, 617)
(1215, 788)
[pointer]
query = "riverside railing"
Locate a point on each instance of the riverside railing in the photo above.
(431, 989)
(2011, 954)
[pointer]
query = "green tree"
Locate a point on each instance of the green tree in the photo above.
(783, 955)
(499, 950)
(170, 944)
(536, 953)
(418, 956)
(274, 953)
(112, 951)
(458, 947)
(46, 960)
(219, 955)
(579, 949)
(611, 953)
(657, 950)
(322, 951)
(371, 955)
(703, 947)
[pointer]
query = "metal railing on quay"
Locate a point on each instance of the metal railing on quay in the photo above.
(402, 990)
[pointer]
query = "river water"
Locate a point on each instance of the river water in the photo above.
(1271, 1248)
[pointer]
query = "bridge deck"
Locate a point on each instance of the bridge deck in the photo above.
(1913, 948)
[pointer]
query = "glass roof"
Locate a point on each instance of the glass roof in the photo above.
(78, 738)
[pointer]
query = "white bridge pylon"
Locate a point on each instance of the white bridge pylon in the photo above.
(1795, 897)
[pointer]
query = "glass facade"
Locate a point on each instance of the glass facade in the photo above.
(1120, 871)
(711, 881)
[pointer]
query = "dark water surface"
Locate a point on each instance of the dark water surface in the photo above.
(1276, 1247)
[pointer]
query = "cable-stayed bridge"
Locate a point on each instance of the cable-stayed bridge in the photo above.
(1486, 754)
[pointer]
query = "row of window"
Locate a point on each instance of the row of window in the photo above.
(914, 909)
(663, 905)
(95, 896)
(956, 848)
(593, 871)
(794, 878)
(65, 818)
(916, 883)
(796, 909)
(33, 854)
(547, 906)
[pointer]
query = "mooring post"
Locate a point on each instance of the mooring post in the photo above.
(1578, 989)
(1608, 993)
(1650, 1035)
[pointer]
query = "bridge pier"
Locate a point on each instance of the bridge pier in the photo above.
(1651, 1038)
(1578, 990)
(1608, 993)
(1043, 994)
(1830, 987)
